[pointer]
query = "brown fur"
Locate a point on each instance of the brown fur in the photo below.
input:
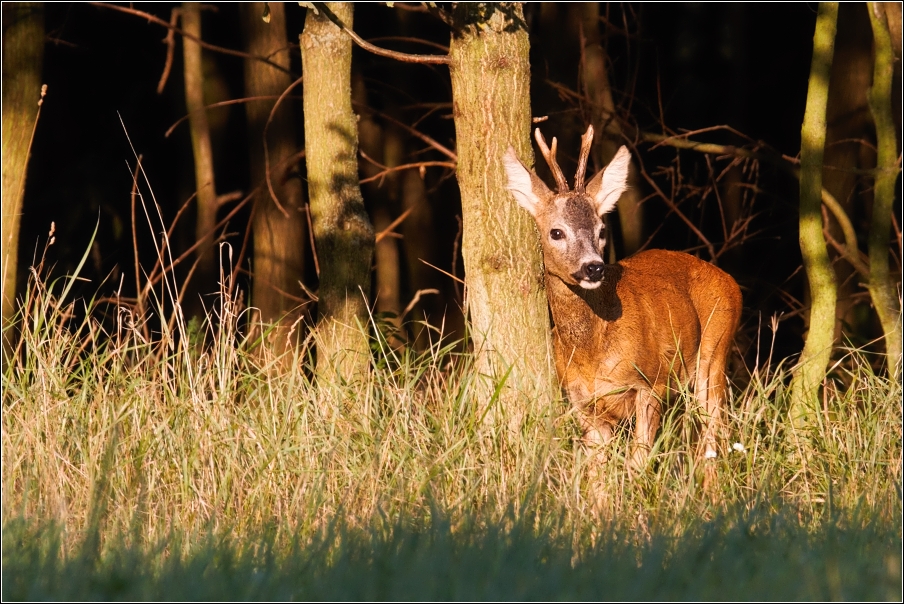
(625, 339)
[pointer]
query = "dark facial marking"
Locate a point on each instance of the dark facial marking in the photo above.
(579, 213)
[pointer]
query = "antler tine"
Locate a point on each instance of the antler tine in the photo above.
(586, 142)
(550, 157)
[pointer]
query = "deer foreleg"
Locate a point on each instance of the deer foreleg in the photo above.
(648, 414)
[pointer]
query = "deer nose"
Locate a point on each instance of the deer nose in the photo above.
(593, 272)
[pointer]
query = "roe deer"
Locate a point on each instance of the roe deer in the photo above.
(627, 333)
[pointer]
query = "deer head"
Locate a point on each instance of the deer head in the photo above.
(571, 223)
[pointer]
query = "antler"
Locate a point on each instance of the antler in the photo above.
(586, 142)
(550, 157)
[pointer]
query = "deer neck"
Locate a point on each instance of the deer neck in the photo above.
(581, 316)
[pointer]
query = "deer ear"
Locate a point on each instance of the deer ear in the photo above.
(607, 186)
(527, 189)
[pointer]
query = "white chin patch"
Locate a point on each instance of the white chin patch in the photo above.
(590, 284)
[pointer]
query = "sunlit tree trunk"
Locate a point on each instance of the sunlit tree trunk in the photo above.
(205, 185)
(280, 234)
(506, 299)
(343, 234)
(882, 284)
(811, 370)
(23, 56)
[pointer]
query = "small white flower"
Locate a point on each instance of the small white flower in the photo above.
(738, 447)
(710, 455)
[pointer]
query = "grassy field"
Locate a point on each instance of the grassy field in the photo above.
(136, 467)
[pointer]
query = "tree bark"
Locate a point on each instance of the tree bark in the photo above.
(343, 235)
(279, 239)
(811, 370)
(506, 298)
(23, 56)
(205, 185)
(882, 285)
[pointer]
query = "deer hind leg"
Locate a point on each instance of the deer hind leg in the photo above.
(710, 392)
(648, 414)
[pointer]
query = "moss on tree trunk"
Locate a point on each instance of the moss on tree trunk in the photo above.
(811, 370)
(506, 298)
(343, 235)
(881, 283)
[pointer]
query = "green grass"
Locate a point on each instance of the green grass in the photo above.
(136, 467)
(735, 557)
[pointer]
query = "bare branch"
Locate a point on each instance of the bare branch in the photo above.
(267, 149)
(383, 52)
(226, 51)
(441, 148)
(170, 41)
(851, 251)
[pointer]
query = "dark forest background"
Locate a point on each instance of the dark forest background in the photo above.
(672, 67)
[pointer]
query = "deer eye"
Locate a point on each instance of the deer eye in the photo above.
(556, 234)
(603, 232)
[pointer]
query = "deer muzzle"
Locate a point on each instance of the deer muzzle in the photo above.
(591, 275)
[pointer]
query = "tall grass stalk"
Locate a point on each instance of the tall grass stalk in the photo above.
(105, 429)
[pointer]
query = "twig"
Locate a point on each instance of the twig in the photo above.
(267, 149)
(416, 299)
(441, 148)
(170, 41)
(410, 39)
(139, 294)
(154, 278)
(382, 234)
(383, 52)
(221, 104)
(674, 207)
(422, 164)
(153, 19)
(446, 273)
(228, 198)
(850, 251)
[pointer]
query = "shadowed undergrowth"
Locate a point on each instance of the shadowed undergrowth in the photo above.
(776, 557)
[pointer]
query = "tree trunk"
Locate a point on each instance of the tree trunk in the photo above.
(506, 298)
(381, 194)
(848, 127)
(882, 286)
(343, 235)
(811, 370)
(23, 56)
(419, 232)
(205, 185)
(595, 76)
(279, 240)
